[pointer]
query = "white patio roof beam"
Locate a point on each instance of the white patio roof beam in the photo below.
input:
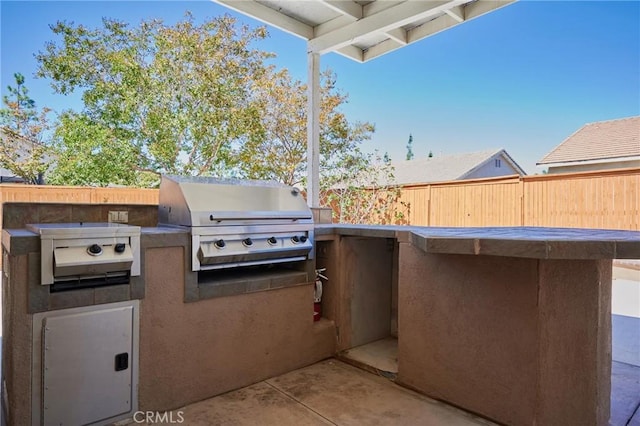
(478, 8)
(386, 20)
(425, 30)
(346, 7)
(270, 16)
(456, 13)
(398, 35)
(351, 52)
(444, 22)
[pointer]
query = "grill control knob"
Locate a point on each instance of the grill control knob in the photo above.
(119, 248)
(303, 238)
(247, 242)
(220, 244)
(295, 239)
(94, 250)
(272, 241)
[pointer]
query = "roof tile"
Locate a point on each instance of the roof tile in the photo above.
(441, 168)
(598, 141)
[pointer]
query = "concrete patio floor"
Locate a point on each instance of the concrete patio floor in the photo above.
(625, 368)
(625, 395)
(327, 393)
(335, 393)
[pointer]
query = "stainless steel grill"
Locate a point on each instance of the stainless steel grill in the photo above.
(79, 254)
(237, 222)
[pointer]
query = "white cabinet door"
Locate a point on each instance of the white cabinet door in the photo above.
(87, 366)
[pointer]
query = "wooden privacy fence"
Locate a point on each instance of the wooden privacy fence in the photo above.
(603, 199)
(74, 195)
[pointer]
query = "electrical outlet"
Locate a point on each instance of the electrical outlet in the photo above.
(116, 216)
(113, 216)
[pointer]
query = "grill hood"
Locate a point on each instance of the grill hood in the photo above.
(204, 201)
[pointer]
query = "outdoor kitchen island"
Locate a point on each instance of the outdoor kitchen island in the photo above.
(101, 320)
(512, 324)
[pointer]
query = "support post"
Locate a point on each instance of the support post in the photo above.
(313, 129)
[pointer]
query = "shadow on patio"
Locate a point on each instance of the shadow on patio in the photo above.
(327, 393)
(332, 392)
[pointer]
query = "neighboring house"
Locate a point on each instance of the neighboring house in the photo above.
(601, 145)
(7, 176)
(471, 165)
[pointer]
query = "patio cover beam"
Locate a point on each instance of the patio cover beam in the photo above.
(430, 28)
(346, 7)
(456, 13)
(269, 16)
(386, 20)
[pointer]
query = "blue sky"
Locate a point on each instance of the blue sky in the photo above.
(522, 78)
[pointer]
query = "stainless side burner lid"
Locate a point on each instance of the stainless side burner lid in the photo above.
(83, 230)
(75, 251)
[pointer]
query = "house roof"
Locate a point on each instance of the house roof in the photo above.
(363, 30)
(447, 167)
(599, 141)
(24, 147)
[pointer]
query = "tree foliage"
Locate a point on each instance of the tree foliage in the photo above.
(199, 99)
(281, 151)
(410, 148)
(90, 154)
(188, 99)
(366, 193)
(22, 126)
(173, 95)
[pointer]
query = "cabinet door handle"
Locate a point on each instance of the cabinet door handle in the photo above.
(122, 361)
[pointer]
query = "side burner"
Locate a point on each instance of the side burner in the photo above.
(77, 252)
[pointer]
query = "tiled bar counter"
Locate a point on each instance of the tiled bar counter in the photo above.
(513, 324)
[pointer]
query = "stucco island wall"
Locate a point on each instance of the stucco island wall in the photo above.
(192, 351)
(521, 341)
(511, 323)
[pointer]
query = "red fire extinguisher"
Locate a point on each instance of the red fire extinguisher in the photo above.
(317, 294)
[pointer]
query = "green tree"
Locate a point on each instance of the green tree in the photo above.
(189, 99)
(22, 129)
(410, 148)
(430, 154)
(280, 151)
(356, 185)
(88, 153)
(365, 192)
(170, 98)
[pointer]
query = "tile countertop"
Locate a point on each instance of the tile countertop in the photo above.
(531, 242)
(541, 243)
